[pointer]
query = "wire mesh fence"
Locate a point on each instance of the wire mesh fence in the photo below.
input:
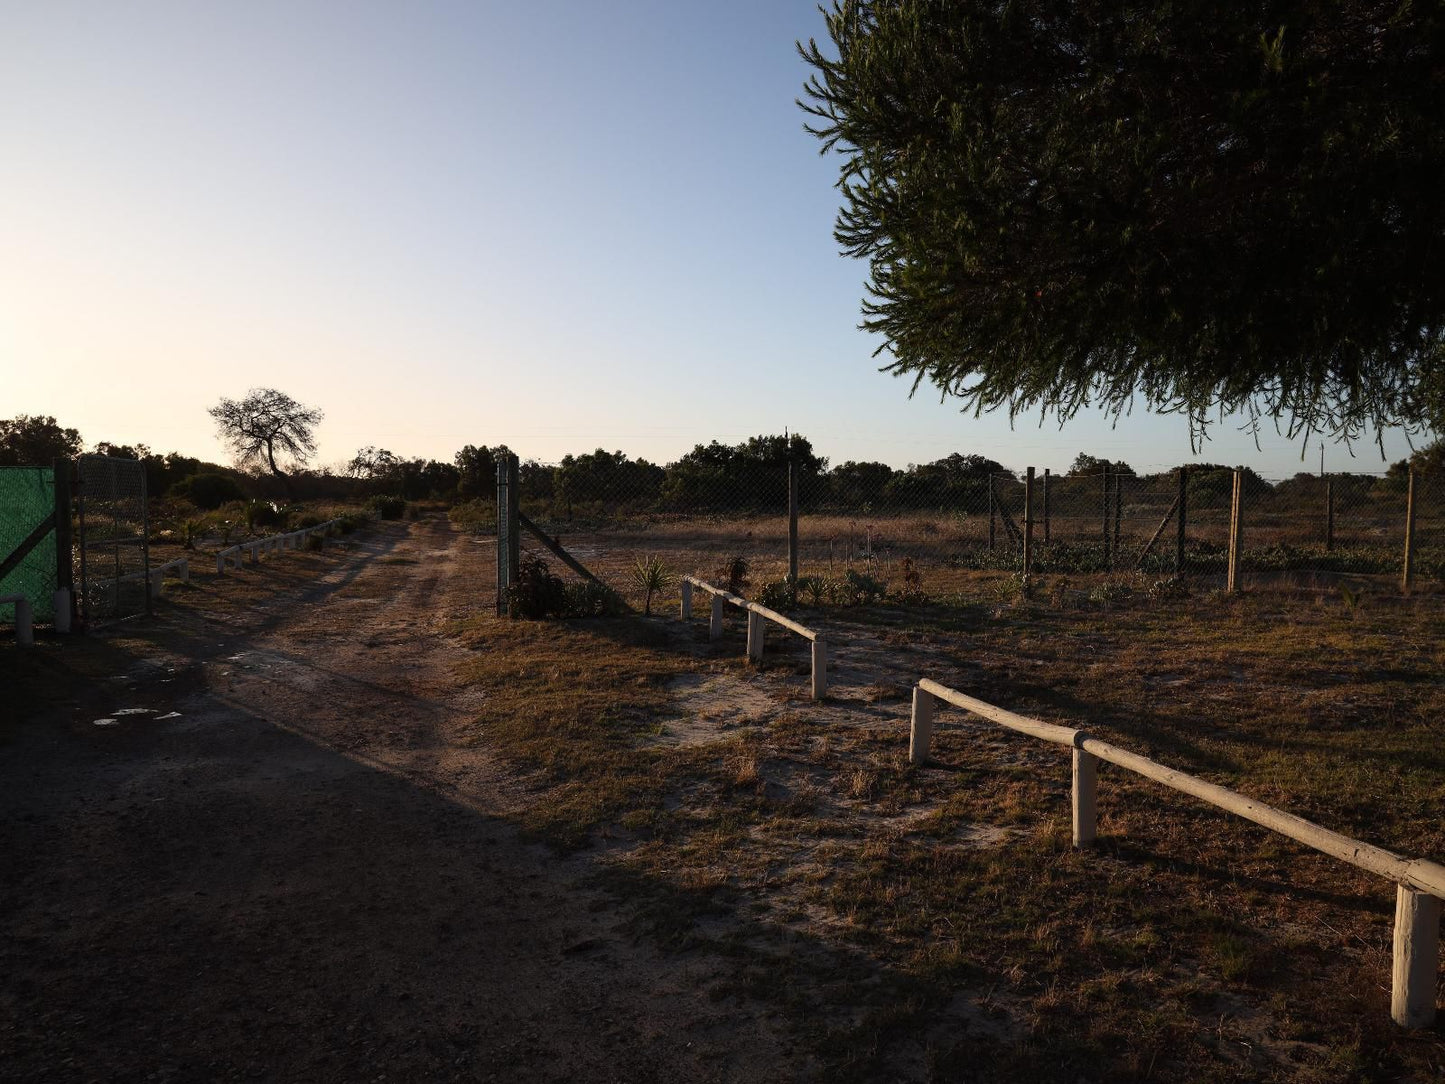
(924, 530)
(27, 500)
(111, 550)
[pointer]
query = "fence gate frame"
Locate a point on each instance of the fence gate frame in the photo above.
(509, 528)
(101, 483)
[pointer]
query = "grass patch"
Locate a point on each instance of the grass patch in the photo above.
(943, 914)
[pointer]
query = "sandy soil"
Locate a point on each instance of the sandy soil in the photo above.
(300, 876)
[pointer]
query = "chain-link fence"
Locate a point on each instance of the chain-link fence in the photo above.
(111, 552)
(27, 503)
(927, 528)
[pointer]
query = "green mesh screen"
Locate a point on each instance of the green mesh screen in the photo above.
(27, 496)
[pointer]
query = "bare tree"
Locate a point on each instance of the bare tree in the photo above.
(267, 421)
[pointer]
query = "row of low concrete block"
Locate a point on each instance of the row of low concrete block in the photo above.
(291, 540)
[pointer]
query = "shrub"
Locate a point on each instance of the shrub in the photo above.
(734, 574)
(388, 507)
(862, 589)
(588, 599)
(776, 595)
(310, 519)
(651, 577)
(537, 592)
(265, 514)
(208, 491)
(350, 522)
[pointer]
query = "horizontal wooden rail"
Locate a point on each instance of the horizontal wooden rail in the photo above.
(1421, 883)
(757, 614)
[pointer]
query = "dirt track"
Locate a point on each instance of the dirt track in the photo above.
(303, 877)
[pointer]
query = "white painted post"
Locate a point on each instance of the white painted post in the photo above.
(185, 570)
(62, 609)
(755, 636)
(820, 669)
(1417, 951)
(1086, 789)
(921, 731)
(24, 623)
(714, 628)
(220, 564)
(255, 555)
(153, 584)
(686, 600)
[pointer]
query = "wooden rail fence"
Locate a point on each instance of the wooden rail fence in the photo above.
(1420, 884)
(274, 544)
(757, 615)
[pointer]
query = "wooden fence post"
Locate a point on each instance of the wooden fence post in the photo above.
(714, 625)
(755, 636)
(793, 527)
(1236, 527)
(1047, 480)
(1407, 577)
(920, 731)
(820, 668)
(1329, 514)
(1086, 787)
(1183, 512)
(1417, 950)
(1028, 523)
(686, 600)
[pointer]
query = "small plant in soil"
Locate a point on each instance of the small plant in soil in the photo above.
(650, 576)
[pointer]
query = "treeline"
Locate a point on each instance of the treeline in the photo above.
(713, 477)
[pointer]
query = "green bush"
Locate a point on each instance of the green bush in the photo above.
(208, 491)
(350, 522)
(265, 514)
(588, 599)
(776, 595)
(537, 592)
(388, 507)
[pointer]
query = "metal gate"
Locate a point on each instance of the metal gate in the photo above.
(112, 526)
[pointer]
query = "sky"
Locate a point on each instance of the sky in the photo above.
(554, 225)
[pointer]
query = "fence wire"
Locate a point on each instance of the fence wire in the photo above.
(925, 528)
(111, 551)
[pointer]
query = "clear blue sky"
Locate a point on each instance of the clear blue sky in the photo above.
(558, 225)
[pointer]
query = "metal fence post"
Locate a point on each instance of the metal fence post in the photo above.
(1047, 480)
(992, 514)
(1236, 528)
(64, 547)
(793, 526)
(1329, 514)
(1407, 577)
(1108, 563)
(1028, 523)
(1180, 526)
(509, 530)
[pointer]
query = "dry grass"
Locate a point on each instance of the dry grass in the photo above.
(1188, 945)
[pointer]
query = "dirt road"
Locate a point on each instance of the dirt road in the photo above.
(287, 868)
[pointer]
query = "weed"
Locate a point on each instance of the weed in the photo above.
(734, 574)
(650, 576)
